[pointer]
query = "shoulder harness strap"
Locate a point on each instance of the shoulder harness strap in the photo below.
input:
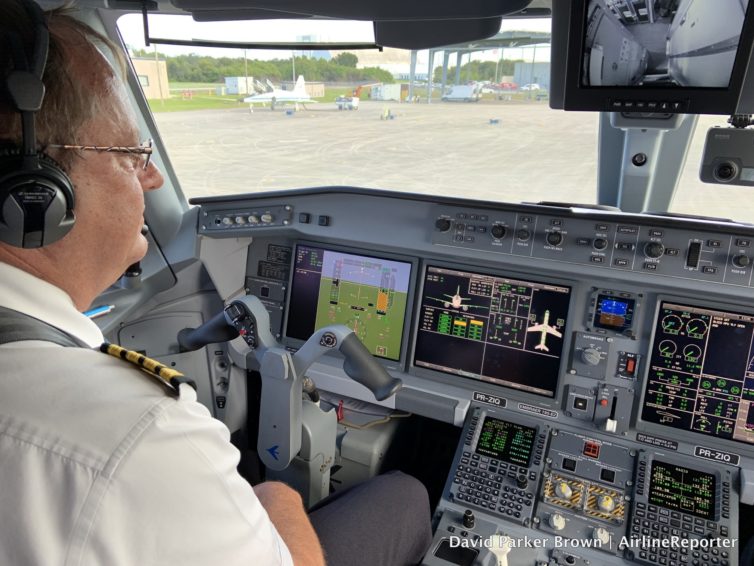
(18, 327)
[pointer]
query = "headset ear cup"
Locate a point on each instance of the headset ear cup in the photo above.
(37, 205)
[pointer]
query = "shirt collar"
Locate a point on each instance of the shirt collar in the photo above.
(23, 292)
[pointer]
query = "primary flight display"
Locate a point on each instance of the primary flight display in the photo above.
(367, 294)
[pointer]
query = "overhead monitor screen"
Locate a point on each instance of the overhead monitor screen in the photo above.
(679, 488)
(368, 294)
(492, 328)
(701, 372)
(648, 43)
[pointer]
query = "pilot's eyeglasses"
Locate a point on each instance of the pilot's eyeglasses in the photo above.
(144, 150)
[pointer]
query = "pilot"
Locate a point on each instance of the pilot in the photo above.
(100, 463)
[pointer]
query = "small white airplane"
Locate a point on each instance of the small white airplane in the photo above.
(456, 301)
(545, 329)
(278, 96)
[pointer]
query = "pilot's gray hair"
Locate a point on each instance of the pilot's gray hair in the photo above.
(74, 91)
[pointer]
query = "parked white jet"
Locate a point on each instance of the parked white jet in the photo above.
(545, 329)
(278, 96)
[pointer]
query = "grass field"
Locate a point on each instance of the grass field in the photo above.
(179, 85)
(197, 102)
(204, 101)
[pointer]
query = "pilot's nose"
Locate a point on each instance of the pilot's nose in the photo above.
(151, 178)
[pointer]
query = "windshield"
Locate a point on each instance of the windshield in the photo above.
(236, 121)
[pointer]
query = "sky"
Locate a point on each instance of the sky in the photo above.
(185, 28)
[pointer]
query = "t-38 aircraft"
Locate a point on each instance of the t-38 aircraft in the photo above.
(616, 198)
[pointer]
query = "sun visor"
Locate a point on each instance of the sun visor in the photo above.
(383, 10)
(412, 25)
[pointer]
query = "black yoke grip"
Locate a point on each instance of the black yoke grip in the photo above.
(361, 366)
(216, 329)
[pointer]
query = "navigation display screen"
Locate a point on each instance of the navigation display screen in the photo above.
(506, 441)
(367, 294)
(492, 328)
(701, 374)
(661, 44)
(682, 489)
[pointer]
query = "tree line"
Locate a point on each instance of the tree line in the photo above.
(341, 68)
(479, 71)
(204, 69)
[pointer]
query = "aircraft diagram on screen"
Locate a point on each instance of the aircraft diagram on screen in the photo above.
(456, 301)
(545, 328)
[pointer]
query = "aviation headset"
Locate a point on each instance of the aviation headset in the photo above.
(36, 195)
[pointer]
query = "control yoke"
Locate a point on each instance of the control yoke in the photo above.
(283, 373)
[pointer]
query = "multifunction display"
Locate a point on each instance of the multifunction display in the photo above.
(506, 441)
(492, 328)
(367, 294)
(701, 375)
(682, 489)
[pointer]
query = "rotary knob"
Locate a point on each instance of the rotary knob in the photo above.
(591, 356)
(563, 490)
(557, 522)
(240, 220)
(741, 261)
(554, 238)
(498, 231)
(267, 218)
(521, 481)
(599, 243)
(601, 535)
(606, 503)
(227, 221)
(654, 250)
(443, 224)
(253, 219)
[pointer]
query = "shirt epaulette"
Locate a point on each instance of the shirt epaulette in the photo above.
(168, 377)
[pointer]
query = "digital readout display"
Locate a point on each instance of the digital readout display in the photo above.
(506, 441)
(682, 489)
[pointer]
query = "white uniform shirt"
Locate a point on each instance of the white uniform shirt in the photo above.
(100, 466)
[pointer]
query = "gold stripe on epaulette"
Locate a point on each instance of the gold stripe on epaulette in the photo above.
(169, 377)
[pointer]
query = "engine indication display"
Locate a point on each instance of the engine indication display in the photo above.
(506, 441)
(682, 489)
(492, 328)
(701, 375)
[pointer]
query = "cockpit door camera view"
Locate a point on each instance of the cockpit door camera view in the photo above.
(661, 42)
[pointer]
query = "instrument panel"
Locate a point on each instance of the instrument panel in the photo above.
(601, 364)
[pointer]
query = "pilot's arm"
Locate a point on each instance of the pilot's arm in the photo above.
(177, 498)
(286, 511)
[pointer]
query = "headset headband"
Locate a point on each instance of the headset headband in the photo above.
(24, 83)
